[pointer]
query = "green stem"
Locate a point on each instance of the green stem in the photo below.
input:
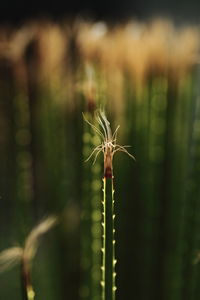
(108, 267)
(91, 226)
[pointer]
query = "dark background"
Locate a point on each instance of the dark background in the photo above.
(180, 11)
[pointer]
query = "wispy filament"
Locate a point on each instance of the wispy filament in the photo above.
(108, 144)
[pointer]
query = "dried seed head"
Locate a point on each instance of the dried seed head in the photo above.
(108, 144)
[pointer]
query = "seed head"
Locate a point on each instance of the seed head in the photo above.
(108, 144)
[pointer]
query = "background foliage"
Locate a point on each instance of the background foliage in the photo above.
(147, 77)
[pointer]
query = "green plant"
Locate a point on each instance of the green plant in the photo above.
(109, 147)
(24, 256)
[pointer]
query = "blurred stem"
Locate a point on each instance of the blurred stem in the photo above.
(27, 289)
(91, 227)
(108, 267)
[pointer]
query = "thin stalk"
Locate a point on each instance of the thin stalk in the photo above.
(109, 261)
(27, 289)
(109, 147)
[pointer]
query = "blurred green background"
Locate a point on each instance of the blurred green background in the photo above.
(147, 76)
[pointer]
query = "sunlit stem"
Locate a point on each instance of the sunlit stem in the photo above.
(108, 264)
(27, 289)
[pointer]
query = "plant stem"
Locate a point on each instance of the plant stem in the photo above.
(27, 289)
(91, 226)
(108, 267)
